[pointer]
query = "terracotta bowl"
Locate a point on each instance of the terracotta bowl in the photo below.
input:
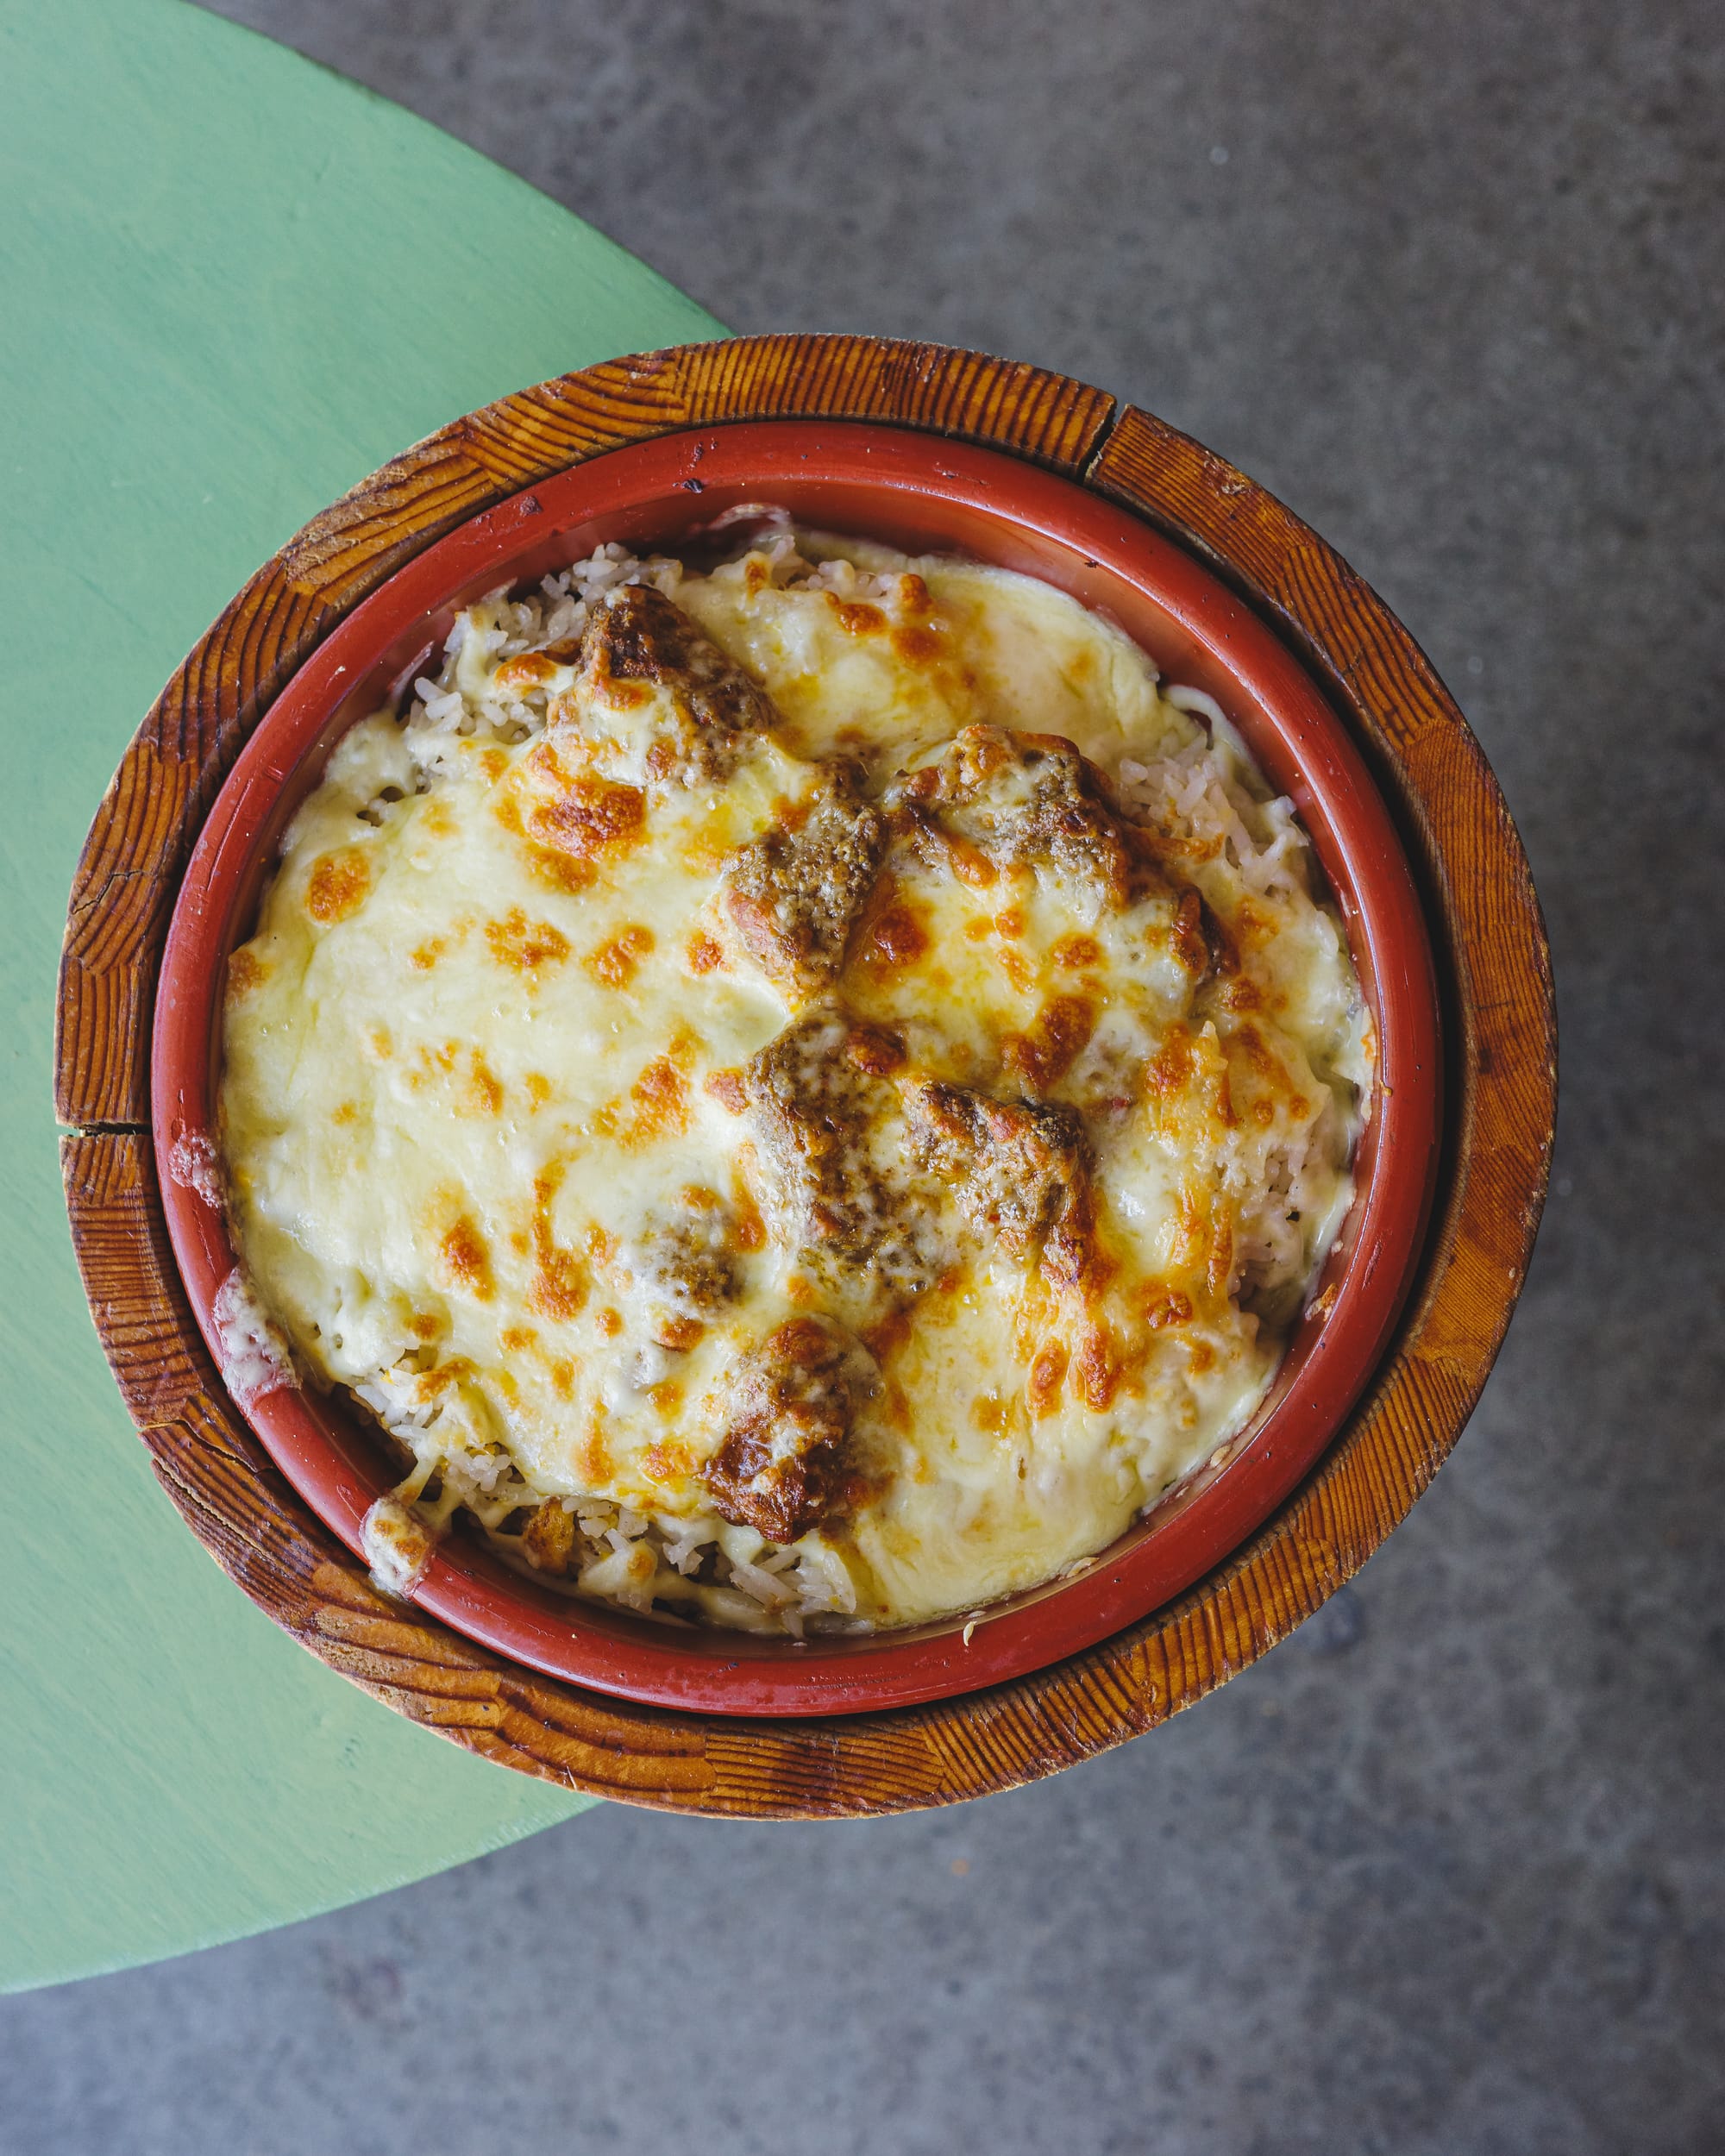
(919, 492)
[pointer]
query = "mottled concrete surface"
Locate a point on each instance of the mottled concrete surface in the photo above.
(1442, 1875)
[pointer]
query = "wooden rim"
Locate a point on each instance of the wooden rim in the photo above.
(1501, 1086)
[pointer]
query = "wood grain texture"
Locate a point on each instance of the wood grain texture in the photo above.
(1496, 981)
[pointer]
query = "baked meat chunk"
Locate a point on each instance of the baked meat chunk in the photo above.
(793, 894)
(684, 1266)
(841, 1196)
(1023, 800)
(1018, 1170)
(641, 652)
(781, 1466)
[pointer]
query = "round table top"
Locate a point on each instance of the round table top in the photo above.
(222, 270)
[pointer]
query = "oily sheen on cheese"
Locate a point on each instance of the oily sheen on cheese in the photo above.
(802, 1095)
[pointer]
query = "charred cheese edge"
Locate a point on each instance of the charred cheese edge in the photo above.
(529, 1075)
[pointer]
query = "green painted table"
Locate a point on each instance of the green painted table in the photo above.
(220, 266)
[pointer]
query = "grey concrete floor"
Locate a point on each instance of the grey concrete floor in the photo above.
(1443, 1875)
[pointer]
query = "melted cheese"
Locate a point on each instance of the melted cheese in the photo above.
(487, 1040)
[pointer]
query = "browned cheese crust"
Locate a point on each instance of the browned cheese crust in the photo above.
(1029, 800)
(814, 1096)
(794, 893)
(1018, 1170)
(781, 1466)
(637, 643)
(685, 1264)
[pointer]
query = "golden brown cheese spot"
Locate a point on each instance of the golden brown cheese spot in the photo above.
(1040, 1057)
(703, 953)
(562, 1375)
(338, 885)
(661, 1098)
(483, 1092)
(245, 971)
(1252, 925)
(727, 1089)
(593, 1454)
(1076, 954)
(467, 1262)
(667, 1460)
(424, 1325)
(347, 1112)
(1047, 1373)
(875, 1051)
(584, 816)
(1164, 1305)
(1168, 1072)
(1219, 1270)
(1264, 1062)
(525, 946)
(1096, 1374)
(424, 956)
(1187, 1083)
(562, 871)
(989, 1412)
(527, 670)
(517, 1338)
(614, 964)
(434, 1383)
(559, 1286)
(549, 1539)
(538, 1087)
(1010, 924)
(1200, 942)
(918, 643)
(855, 616)
(610, 1322)
(970, 864)
(751, 1229)
(893, 933)
(1015, 967)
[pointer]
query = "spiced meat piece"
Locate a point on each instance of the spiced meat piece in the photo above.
(793, 894)
(1023, 800)
(1018, 1170)
(684, 1263)
(828, 1134)
(548, 1541)
(781, 1466)
(640, 650)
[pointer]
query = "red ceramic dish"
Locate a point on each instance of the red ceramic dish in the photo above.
(917, 491)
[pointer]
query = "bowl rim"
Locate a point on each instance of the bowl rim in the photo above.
(658, 1665)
